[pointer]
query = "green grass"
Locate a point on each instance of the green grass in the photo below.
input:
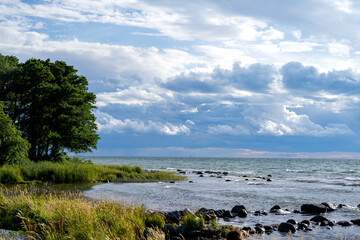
(78, 172)
(68, 216)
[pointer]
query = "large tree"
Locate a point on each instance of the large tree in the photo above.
(51, 105)
(13, 148)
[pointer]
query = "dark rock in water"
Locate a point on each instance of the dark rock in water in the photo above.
(201, 175)
(246, 179)
(324, 223)
(235, 234)
(302, 226)
(181, 230)
(275, 208)
(225, 173)
(170, 230)
(237, 208)
(220, 213)
(307, 222)
(172, 181)
(292, 221)
(207, 214)
(227, 180)
(318, 219)
(358, 206)
(173, 217)
(219, 176)
(269, 180)
(261, 213)
(228, 214)
(343, 206)
(356, 221)
(286, 227)
(191, 182)
(331, 223)
(269, 175)
(259, 230)
(313, 208)
(296, 211)
(208, 172)
(330, 207)
(244, 175)
(242, 213)
(344, 223)
(212, 175)
(179, 170)
(182, 172)
(199, 172)
(268, 229)
(248, 229)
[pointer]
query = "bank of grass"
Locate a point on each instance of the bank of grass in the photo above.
(69, 216)
(77, 171)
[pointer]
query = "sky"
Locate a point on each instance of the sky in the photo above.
(210, 78)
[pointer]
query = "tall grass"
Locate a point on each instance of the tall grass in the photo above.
(78, 171)
(69, 216)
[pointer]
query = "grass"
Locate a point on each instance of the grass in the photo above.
(68, 216)
(78, 172)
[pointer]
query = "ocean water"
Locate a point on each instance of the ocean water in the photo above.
(294, 182)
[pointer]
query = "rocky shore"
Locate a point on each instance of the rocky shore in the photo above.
(317, 214)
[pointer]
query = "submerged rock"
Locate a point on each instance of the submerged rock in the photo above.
(329, 206)
(313, 208)
(344, 223)
(318, 219)
(286, 227)
(356, 221)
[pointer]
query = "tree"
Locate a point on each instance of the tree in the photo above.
(13, 148)
(51, 105)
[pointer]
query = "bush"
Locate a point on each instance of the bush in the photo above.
(192, 222)
(155, 220)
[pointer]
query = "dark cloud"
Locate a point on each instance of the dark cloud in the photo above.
(307, 78)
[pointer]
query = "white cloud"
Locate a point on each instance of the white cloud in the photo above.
(339, 49)
(297, 34)
(107, 124)
(296, 47)
(226, 129)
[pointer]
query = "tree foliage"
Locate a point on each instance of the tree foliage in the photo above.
(51, 105)
(13, 148)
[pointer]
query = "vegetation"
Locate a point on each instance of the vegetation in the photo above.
(13, 148)
(78, 171)
(155, 220)
(193, 222)
(49, 103)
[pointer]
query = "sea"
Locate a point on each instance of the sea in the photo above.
(293, 182)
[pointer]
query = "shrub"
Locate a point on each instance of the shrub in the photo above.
(155, 220)
(192, 222)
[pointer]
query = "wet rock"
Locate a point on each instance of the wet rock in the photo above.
(170, 230)
(228, 214)
(330, 207)
(358, 206)
(296, 211)
(237, 208)
(307, 222)
(324, 223)
(292, 221)
(173, 217)
(244, 175)
(269, 180)
(313, 208)
(181, 230)
(191, 182)
(242, 213)
(234, 234)
(182, 172)
(261, 213)
(344, 223)
(225, 173)
(249, 230)
(172, 181)
(259, 230)
(199, 173)
(275, 208)
(269, 175)
(302, 226)
(220, 213)
(286, 227)
(356, 221)
(331, 223)
(268, 229)
(246, 179)
(318, 219)
(227, 180)
(219, 176)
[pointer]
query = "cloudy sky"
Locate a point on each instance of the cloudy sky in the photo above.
(235, 78)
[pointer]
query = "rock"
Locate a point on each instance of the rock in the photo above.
(313, 208)
(286, 227)
(234, 234)
(173, 217)
(191, 182)
(194, 234)
(182, 172)
(248, 229)
(237, 208)
(331, 223)
(199, 173)
(181, 230)
(307, 222)
(269, 180)
(356, 221)
(219, 213)
(259, 230)
(261, 213)
(302, 226)
(170, 230)
(268, 229)
(246, 179)
(242, 213)
(344, 223)
(330, 207)
(228, 214)
(185, 212)
(269, 175)
(151, 233)
(324, 223)
(275, 208)
(219, 176)
(225, 173)
(227, 180)
(172, 181)
(244, 175)
(318, 219)
(296, 211)
(358, 206)
(292, 221)
(282, 212)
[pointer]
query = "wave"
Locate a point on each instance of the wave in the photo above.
(352, 179)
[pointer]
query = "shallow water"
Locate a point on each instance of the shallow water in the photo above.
(294, 182)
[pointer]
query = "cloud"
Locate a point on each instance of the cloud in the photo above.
(107, 124)
(226, 129)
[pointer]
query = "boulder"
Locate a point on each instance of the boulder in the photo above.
(286, 227)
(313, 208)
(344, 223)
(181, 230)
(173, 217)
(356, 221)
(228, 214)
(242, 213)
(170, 230)
(259, 230)
(275, 208)
(329, 206)
(237, 208)
(318, 219)
(234, 234)
(307, 222)
(292, 221)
